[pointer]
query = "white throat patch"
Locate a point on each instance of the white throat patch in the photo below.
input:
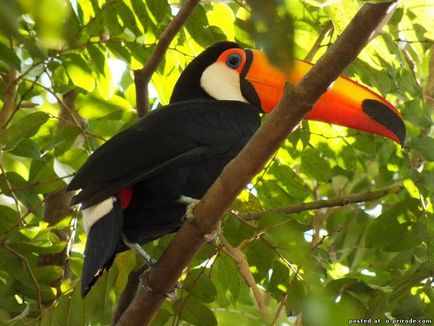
(93, 213)
(222, 82)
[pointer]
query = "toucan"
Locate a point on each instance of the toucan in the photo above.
(133, 189)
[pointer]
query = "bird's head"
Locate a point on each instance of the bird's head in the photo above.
(225, 71)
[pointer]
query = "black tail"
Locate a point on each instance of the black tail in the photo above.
(102, 241)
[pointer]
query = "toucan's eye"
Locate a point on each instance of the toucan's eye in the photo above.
(234, 60)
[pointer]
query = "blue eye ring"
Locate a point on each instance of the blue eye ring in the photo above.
(234, 60)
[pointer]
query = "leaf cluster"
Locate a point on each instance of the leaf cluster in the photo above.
(74, 88)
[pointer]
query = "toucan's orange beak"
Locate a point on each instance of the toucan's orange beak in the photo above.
(346, 103)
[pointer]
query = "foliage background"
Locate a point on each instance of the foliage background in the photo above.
(67, 84)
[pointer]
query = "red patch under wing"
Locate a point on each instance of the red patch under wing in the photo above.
(125, 196)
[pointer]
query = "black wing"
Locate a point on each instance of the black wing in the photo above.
(177, 134)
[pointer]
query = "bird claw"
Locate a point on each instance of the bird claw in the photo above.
(189, 214)
(169, 295)
(139, 251)
(214, 235)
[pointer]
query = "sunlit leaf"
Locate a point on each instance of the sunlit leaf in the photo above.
(424, 146)
(9, 57)
(192, 311)
(24, 128)
(79, 72)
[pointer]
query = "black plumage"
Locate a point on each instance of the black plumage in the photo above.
(176, 150)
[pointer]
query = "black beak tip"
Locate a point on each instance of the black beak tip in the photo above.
(384, 115)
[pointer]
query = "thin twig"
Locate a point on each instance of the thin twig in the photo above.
(10, 189)
(74, 118)
(327, 28)
(32, 275)
(143, 76)
(22, 217)
(340, 201)
(243, 267)
(282, 302)
(9, 106)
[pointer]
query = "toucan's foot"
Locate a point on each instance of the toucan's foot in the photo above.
(139, 251)
(189, 215)
(213, 237)
(186, 200)
(169, 295)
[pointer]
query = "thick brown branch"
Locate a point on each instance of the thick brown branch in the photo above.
(143, 76)
(9, 105)
(340, 201)
(297, 101)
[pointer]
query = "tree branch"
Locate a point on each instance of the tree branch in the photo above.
(57, 202)
(143, 76)
(128, 293)
(9, 105)
(428, 92)
(340, 201)
(327, 28)
(242, 264)
(297, 101)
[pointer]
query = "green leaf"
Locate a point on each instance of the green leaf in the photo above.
(279, 279)
(159, 9)
(260, 256)
(93, 107)
(27, 148)
(99, 303)
(141, 12)
(389, 222)
(418, 113)
(296, 293)
(98, 57)
(424, 146)
(290, 181)
(63, 139)
(43, 178)
(120, 51)
(127, 17)
(8, 218)
(35, 240)
(314, 165)
(69, 310)
(197, 24)
(194, 312)
(227, 278)
(24, 128)
(200, 286)
(162, 318)
(79, 72)
(9, 57)
(22, 190)
(111, 20)
(272, 28)
(48, 274)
